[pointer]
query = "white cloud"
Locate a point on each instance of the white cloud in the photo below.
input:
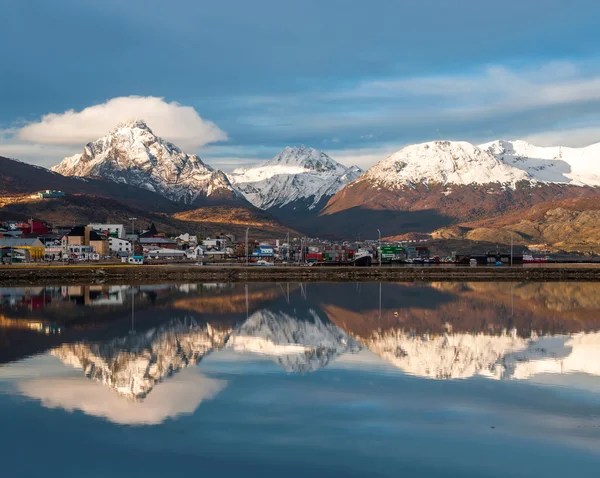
(177, 123)
(181, 394)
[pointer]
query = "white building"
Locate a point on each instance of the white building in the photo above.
(115, 230)
(119, 245)
(166, 254)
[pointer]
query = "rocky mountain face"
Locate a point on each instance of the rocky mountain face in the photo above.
(431, 185)
(132, 154)
(297, 177)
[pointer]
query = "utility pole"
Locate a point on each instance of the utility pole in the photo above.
(247, 230)
(511, 248)
(132, 219)
(379, 247)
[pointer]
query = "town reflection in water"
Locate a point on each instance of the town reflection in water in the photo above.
(135, 340)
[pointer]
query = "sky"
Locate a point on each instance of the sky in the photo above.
(236, 81)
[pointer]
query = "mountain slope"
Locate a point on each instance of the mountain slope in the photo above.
(575, 166)
(431, 185)
(132, 154)
(297, 175)
(94, 200)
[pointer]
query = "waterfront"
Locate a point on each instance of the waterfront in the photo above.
(40, 275)
(469, 379)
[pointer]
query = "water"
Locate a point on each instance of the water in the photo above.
(427, 380)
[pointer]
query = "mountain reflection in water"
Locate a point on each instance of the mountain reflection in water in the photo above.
(132, 338)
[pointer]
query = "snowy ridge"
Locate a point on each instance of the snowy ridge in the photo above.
(576, 166)
(505, 356)
(297, 345)
(442, 162)
(134, 364)
(132, 154)
(297, 173)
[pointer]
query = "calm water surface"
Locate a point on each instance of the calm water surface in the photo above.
(350, 380)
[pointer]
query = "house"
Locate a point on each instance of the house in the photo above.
(48, 194)
(151, 232)
(33, 247)
(109, 230)
(86, 236)
(157, 243)
(117, 245)
(214, 244)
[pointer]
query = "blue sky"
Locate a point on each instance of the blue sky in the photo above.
(237, 81)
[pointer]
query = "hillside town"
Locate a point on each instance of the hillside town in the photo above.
(35, 241)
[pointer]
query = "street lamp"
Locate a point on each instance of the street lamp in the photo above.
(379, 246)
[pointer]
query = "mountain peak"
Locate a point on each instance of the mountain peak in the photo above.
(132, 124)
(297, 173)
(443, 162)
(306, 157)
(132, 154)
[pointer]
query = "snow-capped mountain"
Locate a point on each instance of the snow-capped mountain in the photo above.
(132, 154)
(575, 166)
(134, 364)
(298, 345)
(297, 174)
(427, 186)
(443, 162)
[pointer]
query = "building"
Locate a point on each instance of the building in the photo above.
(33, 247)
(117, 245)
(157, 243)
(109, 230)
(167, 254)
(214, 244)
(86, 236)
(48, 194)
(263, 251)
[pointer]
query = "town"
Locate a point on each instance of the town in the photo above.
(37, 241)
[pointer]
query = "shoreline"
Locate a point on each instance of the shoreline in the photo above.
(153, 274)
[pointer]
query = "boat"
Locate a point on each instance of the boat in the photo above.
(363, 258)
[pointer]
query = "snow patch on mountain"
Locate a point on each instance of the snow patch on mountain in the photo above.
(297, 173)
(298, 345)
(132, 154)
(576, 166)
(442, 162)
(134, 364)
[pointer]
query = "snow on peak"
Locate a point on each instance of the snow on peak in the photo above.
(555, 164)
(443, 162)
(295, 174)
(132, 154)
(298, 345)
